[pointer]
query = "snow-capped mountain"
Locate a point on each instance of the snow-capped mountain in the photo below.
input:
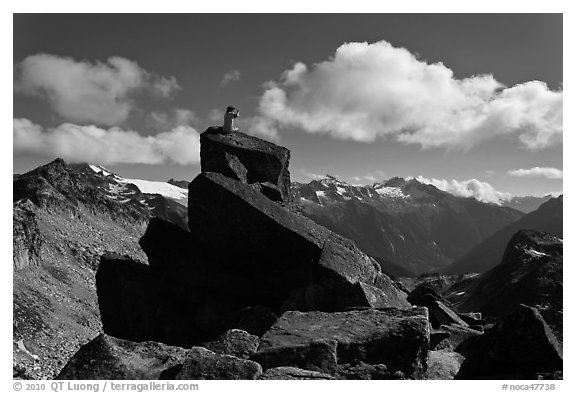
(165, 189)
(528, 204)
(402, 222)
(65, 217)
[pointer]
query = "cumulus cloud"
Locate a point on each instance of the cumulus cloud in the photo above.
(311, 175)
(81, 91)
(370, 177)
(547, 172)
(369, 91)
(230, 76)
(482, 191)
(77, 143)
(177, 117)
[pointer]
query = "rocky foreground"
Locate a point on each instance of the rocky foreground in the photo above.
(254, 290)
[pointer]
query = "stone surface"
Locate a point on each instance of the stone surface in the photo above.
(397, 338)
(201, 363)
(234, 342)
(439, 308)
(440, 314)
(471, 318)
(364, 371)
(138, 304)
(443, 364)
(424, 294)
(272, 249)
(450, 336)
(109, 358)
(248, 159)
(521, 343)
(286, 373)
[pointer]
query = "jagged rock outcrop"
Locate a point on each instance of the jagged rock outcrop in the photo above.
(520, 344)
(201, 363)
(531, 273)
(138, 304)
(109, 358)
(247, 159)
(322, 342)
(450, 336)
(439, 308)
(274, 247)
(26, 236)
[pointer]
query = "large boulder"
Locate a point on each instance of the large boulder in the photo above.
(234, 342)
(273, 252)
(106, 357)
(439, 307)
(201, 363)
(451, 336)
(443, 364)
(322, 341)
(520, 344)
(288, 373)
(247, 159)
(138, 304)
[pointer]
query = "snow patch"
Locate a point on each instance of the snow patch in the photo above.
(393, 192)
(156, 187)
(99, 169)
(340, 190)
(536, 254)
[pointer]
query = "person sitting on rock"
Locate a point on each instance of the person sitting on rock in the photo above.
(229, 116)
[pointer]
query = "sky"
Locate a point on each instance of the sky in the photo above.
(470, 103)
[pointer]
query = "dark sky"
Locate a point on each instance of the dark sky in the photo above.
(199, 49)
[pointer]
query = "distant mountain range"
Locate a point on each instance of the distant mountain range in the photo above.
(405, 224)
(527, 204)
(483, 257)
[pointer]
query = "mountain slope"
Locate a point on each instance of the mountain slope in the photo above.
(548, 218)
(531, 273)
(64, 218)
(413, 225)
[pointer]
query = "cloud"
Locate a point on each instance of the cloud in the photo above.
(254, 125)
(371, 177)
(370, 91)
(310, 175)
(230, 76)
(550, 173)
(80, 91)
(259, 126)
(177, 117)
(76, 143)
(468, 188)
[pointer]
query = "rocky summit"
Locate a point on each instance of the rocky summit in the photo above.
(252, 289)
(247, 159)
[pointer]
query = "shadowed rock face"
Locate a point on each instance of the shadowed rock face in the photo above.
(248, 159)
(323, 341)
(521, 343)
(277, 249)
(531, 273)
(107, 357)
